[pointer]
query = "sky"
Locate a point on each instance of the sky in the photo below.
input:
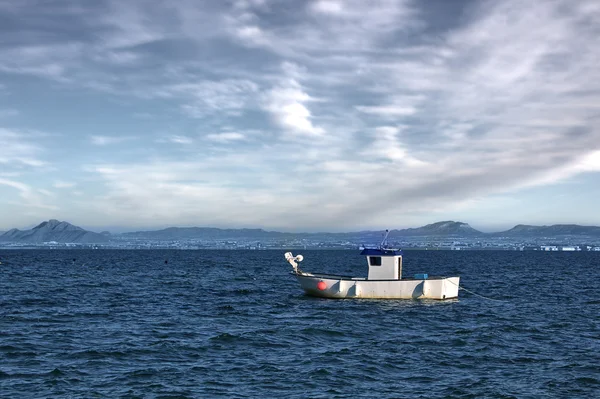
(321, 115)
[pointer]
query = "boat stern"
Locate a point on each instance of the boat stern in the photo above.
(450, 288)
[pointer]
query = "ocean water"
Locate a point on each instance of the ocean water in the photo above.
(235, 324)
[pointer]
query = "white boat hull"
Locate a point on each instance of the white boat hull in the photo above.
(352, 287)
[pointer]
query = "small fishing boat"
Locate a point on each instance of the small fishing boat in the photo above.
(384, 280)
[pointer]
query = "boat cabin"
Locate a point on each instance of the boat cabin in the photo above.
(384, 263)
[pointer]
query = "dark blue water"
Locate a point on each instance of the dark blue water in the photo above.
(123, 324)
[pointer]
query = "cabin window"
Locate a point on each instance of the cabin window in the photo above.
(375, 260)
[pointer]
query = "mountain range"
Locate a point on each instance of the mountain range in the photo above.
(64, 232)
(523, 230)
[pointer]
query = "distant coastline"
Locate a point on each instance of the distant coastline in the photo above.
(445, 235)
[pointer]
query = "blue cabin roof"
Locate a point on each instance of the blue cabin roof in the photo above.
(381, 252)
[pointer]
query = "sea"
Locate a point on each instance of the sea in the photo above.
(235, 324)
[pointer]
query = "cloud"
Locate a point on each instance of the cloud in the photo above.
(483, 88)
(287, 104)
(47, 60)
(386, 145)
(225, 137)
(385, 108)
(323, 27)
(128, 25)
(328, 7)
(229, 96)
(18, 151)
(63, 184)
(180, 139)
(30, 197)
(45, 192)
(108, 140)
(590, 162)
(179, 190)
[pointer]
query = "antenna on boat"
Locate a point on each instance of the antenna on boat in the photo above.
(387, 233)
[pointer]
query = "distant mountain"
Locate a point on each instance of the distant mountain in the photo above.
(446, 228)
(63, 232)
(212, 233)
(523, 230)
(182, 233)
(53, 230)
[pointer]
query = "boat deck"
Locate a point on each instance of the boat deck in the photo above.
(350, 278)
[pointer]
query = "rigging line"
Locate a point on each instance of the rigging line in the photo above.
(474, 293)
